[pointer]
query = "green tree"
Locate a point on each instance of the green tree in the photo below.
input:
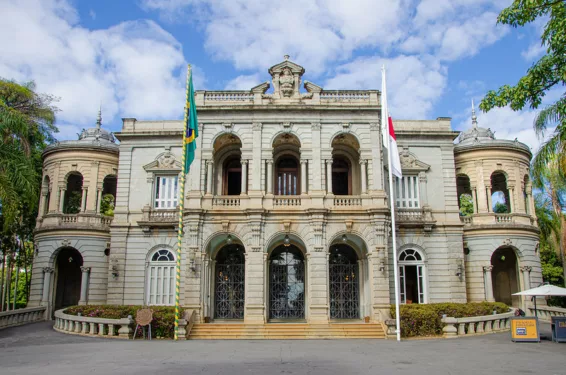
(466, 205)
(107, 205)
(500, 208)
(545, 74)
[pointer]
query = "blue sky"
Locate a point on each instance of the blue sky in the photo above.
(130, 56)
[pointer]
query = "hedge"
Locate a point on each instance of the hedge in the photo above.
(162, 325)
(424, 319)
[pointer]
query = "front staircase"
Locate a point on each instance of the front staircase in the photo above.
(286, 331)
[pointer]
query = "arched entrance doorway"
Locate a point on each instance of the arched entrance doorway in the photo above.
(68, 289)
(344, 283)
(229, 284)
(286, 283)
(412, 277)
(504, 276)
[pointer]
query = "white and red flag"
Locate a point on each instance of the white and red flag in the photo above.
(389, 139)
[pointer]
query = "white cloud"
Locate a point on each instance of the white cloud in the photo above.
(244, 82)
(92, 14)
(534, 51)
(132, 69)
(413, 84)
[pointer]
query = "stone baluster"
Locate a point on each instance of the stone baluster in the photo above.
(480, 327)
(100, 329)
(84, 330)
(488, 283)
(110, 329)
(93, 330)
(329, 176)
(85, 275)
(363, 165)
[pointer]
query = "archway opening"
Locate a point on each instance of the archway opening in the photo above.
(346, 171)
(46, 192)
(344, 281)
(464, 191)
(68, 289)
(232, 179)
(108, 195)
(504, 276)
(73, 194)
(341, 176)
(286, 283)
(229, 286)
(287, 176)
(499, 193)
(411, 277)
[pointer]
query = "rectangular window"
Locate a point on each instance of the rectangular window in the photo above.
(166, 192)
(407, 192)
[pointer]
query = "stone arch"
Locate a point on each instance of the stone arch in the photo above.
(227, 147)
(68, 275)
(412, 263)
(346, 171)
(278, 238)
(217, 140)
(505, 275)
(499, 182)
(73, 202)
(158, 247)
(286, 137)
(216, 240)
(354, 239)
(464, 192)
(160, 276)
(352, 139)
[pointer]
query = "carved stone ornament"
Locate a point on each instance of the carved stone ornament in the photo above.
(48, 270)
(66, 242)
(228, 127)
(315, 126)
(410, 162)
(286, 82)
(166, 161)
(487, 268)
(507, 242)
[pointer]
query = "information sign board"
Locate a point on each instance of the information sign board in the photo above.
(525, 329)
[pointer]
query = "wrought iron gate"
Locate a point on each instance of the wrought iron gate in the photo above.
(229, 287)
(344, 286)
(287, 284)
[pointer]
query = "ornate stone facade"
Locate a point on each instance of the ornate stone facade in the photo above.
(295, 181)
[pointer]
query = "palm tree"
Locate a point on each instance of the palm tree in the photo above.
(553, 149)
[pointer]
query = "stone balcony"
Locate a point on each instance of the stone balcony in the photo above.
(415, 217)
(234, 203)
(155, 218)
(488, 219)
(80, 221)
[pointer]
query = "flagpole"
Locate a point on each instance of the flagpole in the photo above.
(385, 120)
(180, 225)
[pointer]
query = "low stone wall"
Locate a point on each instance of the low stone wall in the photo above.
(476, 325)
(100, 327)
(22, 316)
(547, 312)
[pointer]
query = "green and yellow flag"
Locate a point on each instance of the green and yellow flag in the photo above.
(191, 126)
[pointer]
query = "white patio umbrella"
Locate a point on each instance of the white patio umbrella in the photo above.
(543, 290)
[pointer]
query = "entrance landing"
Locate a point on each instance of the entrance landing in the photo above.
(286, 331)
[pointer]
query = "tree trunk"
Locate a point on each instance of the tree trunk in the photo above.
(2, 281)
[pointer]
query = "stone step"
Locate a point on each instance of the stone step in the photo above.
(217, 331)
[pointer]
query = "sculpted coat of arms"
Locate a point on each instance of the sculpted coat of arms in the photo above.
(286, 82)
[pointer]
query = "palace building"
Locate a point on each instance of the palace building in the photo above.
(286, 211)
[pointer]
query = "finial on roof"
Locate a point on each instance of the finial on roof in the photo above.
(474, 118)
(99, 118)
(286, 57)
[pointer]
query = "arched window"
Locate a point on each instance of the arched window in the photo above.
(108, 196)
(344, 280)
(341, 177)
(229, 285)
(160, 279)
(74, 194)
(464, 191)
(46, 192)
(499, 194)
(412, 277)
(232, 179)
(287, 176)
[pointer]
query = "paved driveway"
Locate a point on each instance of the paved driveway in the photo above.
(37, 349)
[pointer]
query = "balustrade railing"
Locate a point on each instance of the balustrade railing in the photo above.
(21, 316)
(547, 312)
(476, 325)
(410, 215)
(88, 326)
(467, 220)
(285, 201)
(228, 96)
(85, 220)
(163, 215)
(503, 218)
(226, 201)
(347, 201)
(340, 95)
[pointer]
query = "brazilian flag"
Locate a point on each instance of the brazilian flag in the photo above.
(191, 126)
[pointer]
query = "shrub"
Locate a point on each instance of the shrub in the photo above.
(162, 325)
(424, 320)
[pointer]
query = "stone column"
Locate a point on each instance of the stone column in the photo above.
(61, 199)
(47, 271)
(85, 275)
(512, 200)
(303, 176)
(526, 270)
(329, 176)
(363, 164)
(209, 177)
(42, 203)
(488, 284)
(99, 201)
(83, 199)
(244, 188)
(474, 197)
(489, 204)
(269, 167)
(530, 201)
